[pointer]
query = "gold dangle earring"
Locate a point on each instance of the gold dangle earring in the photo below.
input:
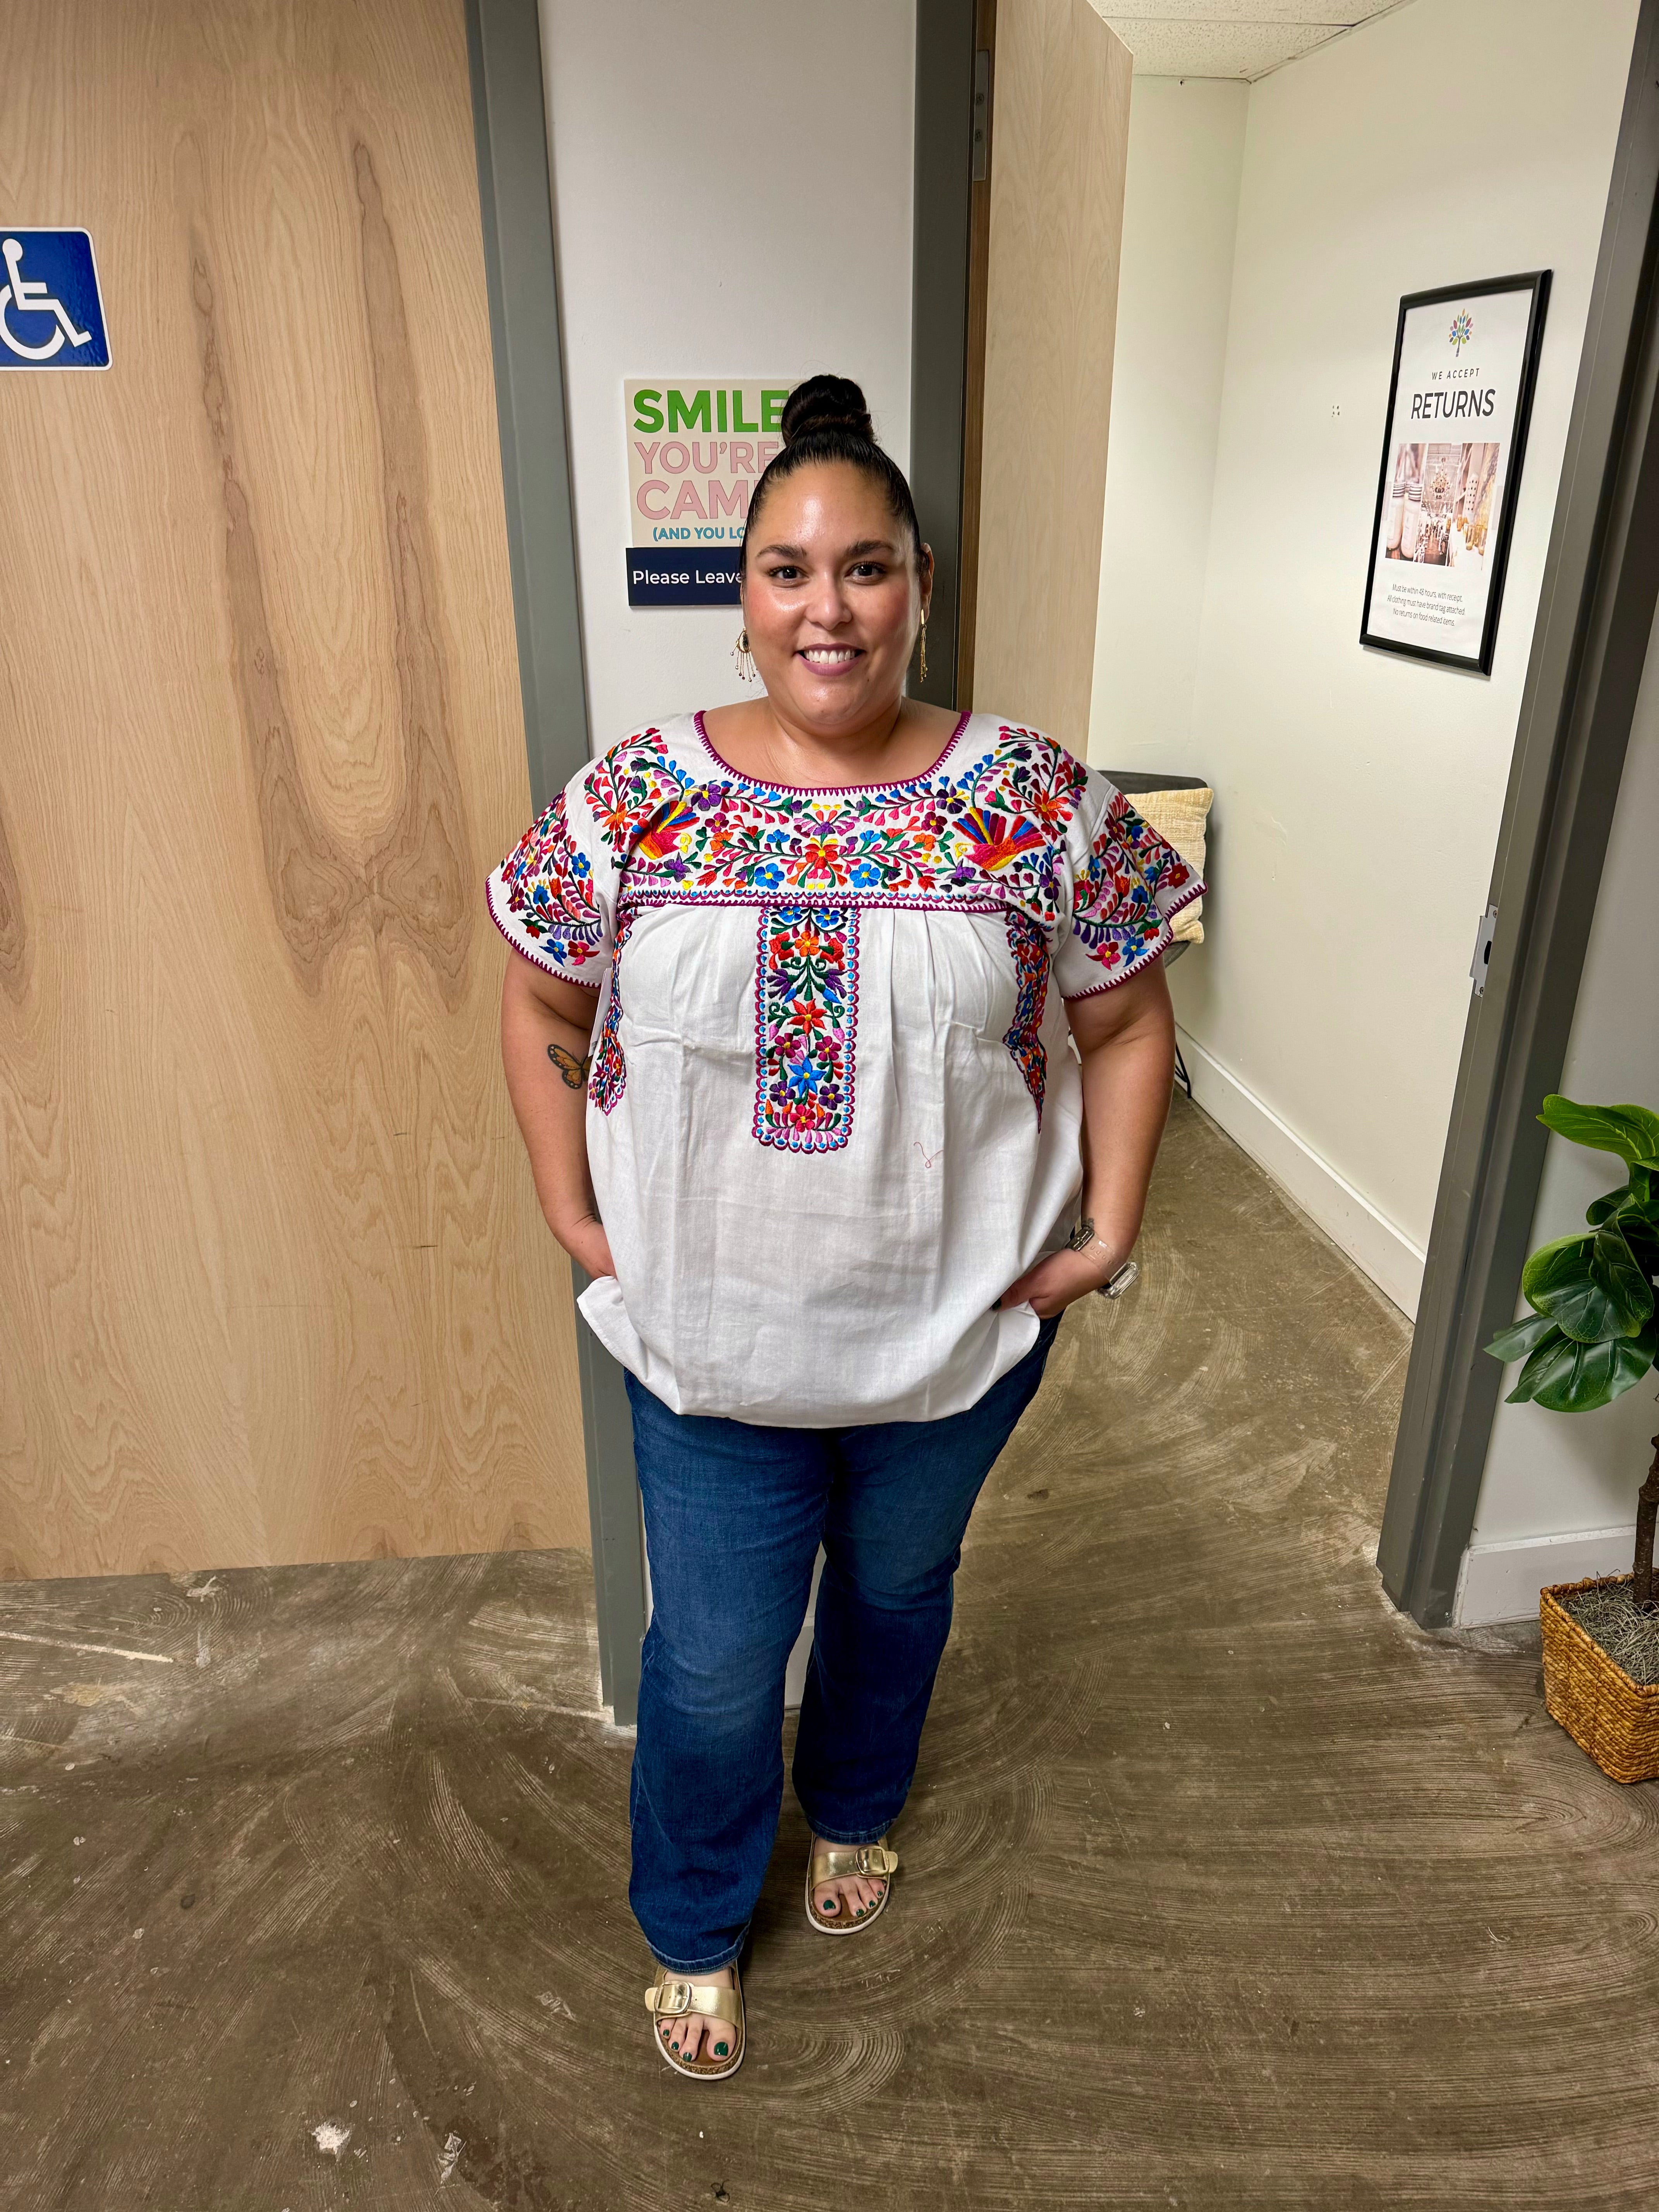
(740, 654)
(923, 670)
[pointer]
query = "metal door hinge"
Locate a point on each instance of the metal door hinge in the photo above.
(1482, 960)
(982, 115)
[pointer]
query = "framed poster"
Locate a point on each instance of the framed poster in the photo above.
(696, 448)
(1465, 363)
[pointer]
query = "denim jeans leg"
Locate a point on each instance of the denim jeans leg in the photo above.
(732, 1518)
(901, 1502)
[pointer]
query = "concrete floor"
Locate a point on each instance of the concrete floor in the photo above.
(1223, 1885)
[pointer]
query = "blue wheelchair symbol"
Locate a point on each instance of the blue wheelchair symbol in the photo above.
(50, 315)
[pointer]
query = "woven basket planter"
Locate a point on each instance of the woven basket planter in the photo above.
(1605, 1713)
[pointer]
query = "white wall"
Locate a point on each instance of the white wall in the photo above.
(731, 188)
(1359, 794)
(1558, 1498)
(1175, 286)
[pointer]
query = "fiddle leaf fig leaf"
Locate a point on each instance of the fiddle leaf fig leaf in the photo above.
(1560, 1280)
(1632, 1132)
(1566, 1377)
(1540, 1361)
(1521, 1337)
(1614, 1267)
(1611, 1202)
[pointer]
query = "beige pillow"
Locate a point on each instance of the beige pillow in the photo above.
(1179, 817)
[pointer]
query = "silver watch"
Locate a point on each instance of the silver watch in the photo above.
(1121, 1278)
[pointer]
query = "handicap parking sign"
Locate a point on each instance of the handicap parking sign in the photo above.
(50, 315)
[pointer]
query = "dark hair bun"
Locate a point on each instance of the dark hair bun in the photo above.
(825, 420)
(826, 403)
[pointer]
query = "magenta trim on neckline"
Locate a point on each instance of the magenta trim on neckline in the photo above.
(825, 790)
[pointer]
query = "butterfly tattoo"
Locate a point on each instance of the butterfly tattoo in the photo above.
(572, 1073)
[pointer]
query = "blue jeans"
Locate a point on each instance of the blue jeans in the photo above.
(734, 1515)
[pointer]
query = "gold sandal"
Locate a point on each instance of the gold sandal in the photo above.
(672, 1997)
(835, 1862)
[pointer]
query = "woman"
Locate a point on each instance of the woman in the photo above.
(813, 959)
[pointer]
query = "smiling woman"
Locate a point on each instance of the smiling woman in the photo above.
(829, 1178)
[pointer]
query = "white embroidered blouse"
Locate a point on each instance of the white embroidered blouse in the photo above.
(832, 1112)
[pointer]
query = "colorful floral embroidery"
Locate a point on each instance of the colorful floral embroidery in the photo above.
(983, 832)
(1029, 948)
(550, 890)
(629, 786)
(607, 1078)
(986, 835)
(1160, 866)
(806, 998)
(1133, 883)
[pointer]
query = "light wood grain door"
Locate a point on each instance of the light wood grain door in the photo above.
(273, 1284)
(1058, 149)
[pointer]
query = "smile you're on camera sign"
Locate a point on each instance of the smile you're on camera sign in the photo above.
(694, 452)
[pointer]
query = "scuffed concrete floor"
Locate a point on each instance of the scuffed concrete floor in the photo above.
(1223, 1886)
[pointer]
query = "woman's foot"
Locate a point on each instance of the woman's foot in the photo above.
(695, 2035)
(846, 1897)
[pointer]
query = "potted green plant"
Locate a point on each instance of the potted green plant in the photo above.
(1590, 1336)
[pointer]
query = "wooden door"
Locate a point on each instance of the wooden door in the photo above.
(1032, 522)
(273, 1282)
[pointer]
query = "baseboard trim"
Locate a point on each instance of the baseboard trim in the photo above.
(1501, 1582)
(1371, 1240)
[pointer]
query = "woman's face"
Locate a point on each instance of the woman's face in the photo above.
(831, 598)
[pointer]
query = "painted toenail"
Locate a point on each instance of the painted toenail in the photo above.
(720, 2050)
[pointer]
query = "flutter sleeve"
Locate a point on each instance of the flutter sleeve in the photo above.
(553, 897)
(1126, 882)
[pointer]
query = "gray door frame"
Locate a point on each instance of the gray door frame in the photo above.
(504, 47)
(1596, 616)
(515, 201)
(942, 214)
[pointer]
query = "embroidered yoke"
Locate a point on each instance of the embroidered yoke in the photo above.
(832, 1110)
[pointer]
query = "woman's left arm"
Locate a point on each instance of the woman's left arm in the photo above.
(1126, 1039)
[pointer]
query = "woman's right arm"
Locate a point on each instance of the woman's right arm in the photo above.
(546, 1027)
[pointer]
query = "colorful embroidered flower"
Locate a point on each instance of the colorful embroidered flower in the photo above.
(821, 856)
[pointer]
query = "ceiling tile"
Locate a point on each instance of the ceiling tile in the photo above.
(1166, 48)
(1333, 15)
